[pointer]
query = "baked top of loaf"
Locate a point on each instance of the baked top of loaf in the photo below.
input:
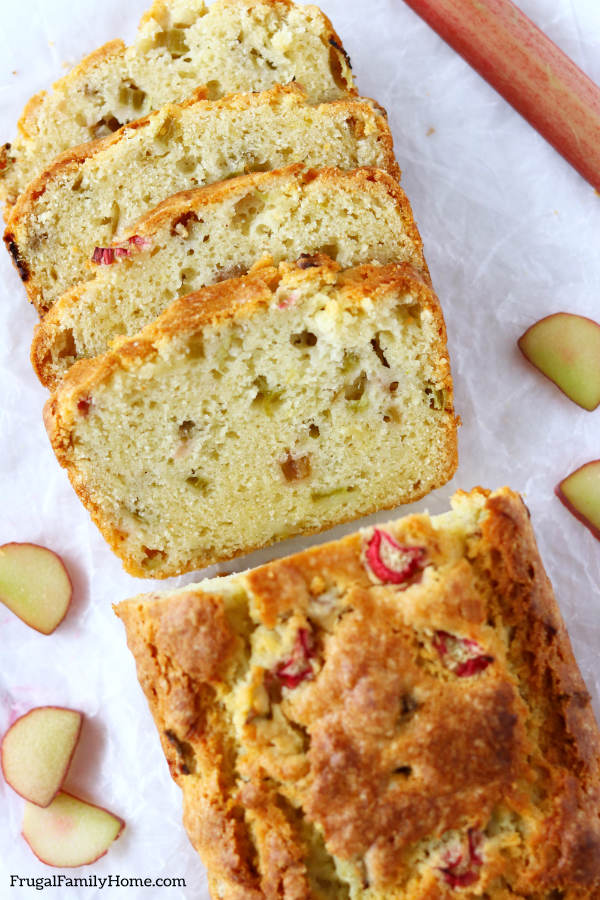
(91, 194)
(230, 46)
(394, 715)
(199, 237)
(277, 404)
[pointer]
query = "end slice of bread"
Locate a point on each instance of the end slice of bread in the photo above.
(277, 404)
(203, 236)
(230, 46)
(91, 194)
(346, 725)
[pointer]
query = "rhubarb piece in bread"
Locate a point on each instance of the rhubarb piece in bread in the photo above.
(91, 194)
(280, 403)
(394, 716)
(230, 46)
(202, 236)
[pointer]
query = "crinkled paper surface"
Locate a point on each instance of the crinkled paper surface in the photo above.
(511, 234)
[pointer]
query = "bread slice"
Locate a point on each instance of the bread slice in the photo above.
(277, 404)
(396, 715)
(231, 46)
(202, 236)
(92, 193)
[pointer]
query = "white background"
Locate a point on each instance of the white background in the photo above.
(511, 234)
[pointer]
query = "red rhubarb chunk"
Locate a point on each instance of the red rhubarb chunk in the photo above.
(462, 869)
(106, 256)
(293, 671)
(137, 240)
(391, 562)
(464, 880)
(475, 838)
(440, 642)
(473, 666)
(462, 656)
(83, 406)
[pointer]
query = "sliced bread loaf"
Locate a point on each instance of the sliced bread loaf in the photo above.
(233, 45)
(276, 404)
(202, 236)
(92, 193)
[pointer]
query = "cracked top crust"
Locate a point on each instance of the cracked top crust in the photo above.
(394, 715)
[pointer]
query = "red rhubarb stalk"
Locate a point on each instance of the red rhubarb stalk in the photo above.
(528, 70)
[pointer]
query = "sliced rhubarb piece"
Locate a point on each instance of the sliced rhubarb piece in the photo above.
(106, 256)
(37, 750)
(70, 832)
(461, 865)
(528, 70)
(391, 562)
(473, 666)
(297, 668)
(136, 240)
(462, 656)
(566, 349)
(35, 585)
(580, 493)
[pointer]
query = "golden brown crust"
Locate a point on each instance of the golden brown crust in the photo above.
(400, 755)
(230, 300)
(552, 684)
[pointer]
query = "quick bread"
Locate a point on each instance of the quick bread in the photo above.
(277, 404)
(227, 47)
(394, 716)
(202, 236)
(93, 193)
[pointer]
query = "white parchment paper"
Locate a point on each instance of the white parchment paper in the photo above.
(511, 234)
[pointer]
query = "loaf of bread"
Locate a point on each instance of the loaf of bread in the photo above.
(394, 716)
(230, 46)
(206, 235)
(277, 404)
(92, 193)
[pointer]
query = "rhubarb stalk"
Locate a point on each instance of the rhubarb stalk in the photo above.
(528, 70)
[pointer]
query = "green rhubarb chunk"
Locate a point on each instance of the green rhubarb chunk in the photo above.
(566, 348)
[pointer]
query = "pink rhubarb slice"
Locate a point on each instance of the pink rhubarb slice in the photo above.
(461, 866)
(462, 656)
(391, 562)
(297, 668)
(580, 493)
(566, 349)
